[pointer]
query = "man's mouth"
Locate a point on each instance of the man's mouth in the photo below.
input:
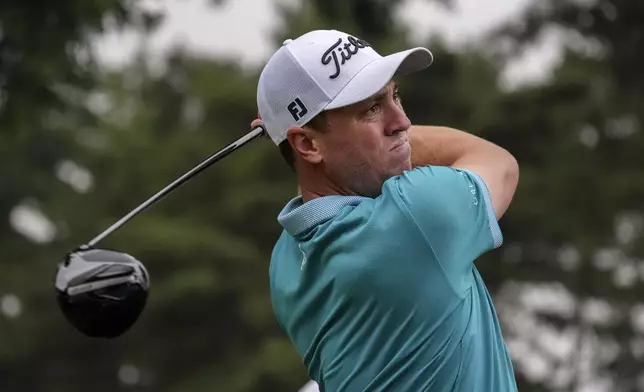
(399, 144)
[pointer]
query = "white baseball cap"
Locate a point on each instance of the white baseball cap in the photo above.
(323, 70)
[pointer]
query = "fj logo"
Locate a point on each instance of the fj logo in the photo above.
(297, 109)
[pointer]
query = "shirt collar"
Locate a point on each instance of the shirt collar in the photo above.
(298, 217)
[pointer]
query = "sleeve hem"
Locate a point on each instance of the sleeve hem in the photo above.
(495, 229)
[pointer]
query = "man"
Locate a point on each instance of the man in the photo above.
(373, 278)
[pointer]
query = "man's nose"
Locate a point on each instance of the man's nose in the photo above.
(397, 120)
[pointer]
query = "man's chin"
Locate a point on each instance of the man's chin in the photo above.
(404, 167)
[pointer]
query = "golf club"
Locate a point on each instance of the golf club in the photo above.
(103, 292)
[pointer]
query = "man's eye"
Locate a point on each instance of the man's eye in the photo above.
(373, 109)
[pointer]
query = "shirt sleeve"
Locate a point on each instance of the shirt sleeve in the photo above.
(453, 210)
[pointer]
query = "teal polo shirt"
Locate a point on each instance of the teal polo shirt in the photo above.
(381, 294)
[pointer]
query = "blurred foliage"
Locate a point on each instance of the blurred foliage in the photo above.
(84, 146)
(577, 220)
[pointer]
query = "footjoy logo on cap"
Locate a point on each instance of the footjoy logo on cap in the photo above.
(346, 52)
(297, 109)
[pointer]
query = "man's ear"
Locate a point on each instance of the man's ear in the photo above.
(305, 144)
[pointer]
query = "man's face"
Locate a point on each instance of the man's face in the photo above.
(366, 143)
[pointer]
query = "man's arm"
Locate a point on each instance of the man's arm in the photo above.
(442, 146)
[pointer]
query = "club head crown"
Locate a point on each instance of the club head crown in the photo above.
(101, 292)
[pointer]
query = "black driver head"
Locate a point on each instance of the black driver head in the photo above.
(101, 292)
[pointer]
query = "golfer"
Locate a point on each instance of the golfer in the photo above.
(373, 277)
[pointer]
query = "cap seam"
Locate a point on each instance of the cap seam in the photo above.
(299, 64)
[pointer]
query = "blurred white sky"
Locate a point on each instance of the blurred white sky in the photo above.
(241, 29)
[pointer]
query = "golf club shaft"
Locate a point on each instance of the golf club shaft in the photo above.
(254, 133)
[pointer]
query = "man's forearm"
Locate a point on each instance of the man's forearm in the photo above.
(443, 146)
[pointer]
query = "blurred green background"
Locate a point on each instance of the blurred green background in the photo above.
(82, 144)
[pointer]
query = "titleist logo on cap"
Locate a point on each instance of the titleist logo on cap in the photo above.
(346, 52)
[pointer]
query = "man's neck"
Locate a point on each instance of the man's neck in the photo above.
(314, 184)
(309, 194)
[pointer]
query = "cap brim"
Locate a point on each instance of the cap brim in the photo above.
(375, 76)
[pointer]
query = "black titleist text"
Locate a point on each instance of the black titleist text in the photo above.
(343, 53)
